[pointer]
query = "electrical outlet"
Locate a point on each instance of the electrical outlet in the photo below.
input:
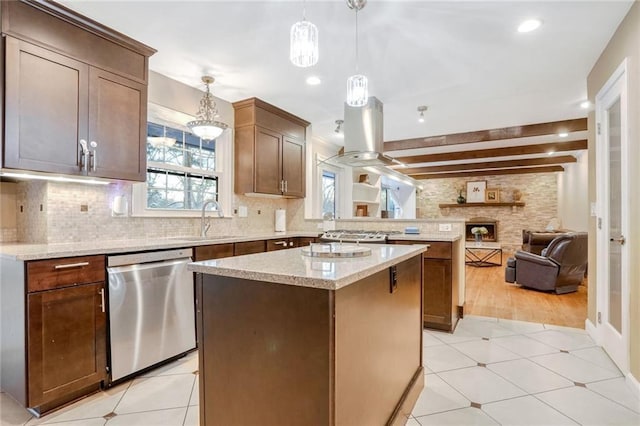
(320, 226)
(444, 227)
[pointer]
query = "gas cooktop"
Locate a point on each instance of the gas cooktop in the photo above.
(350, 235)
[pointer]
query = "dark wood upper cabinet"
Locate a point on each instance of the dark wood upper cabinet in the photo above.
(269, 150)
(46, 109)
(69, 79)
(117, 116)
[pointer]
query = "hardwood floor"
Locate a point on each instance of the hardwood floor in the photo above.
(487, 294)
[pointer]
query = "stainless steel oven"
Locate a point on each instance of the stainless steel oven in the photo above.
(151, 309)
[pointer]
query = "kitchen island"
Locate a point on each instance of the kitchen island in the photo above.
(290, 339)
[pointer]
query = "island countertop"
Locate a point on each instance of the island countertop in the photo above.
(293, 268)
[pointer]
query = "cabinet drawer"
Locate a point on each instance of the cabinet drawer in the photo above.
(216, 251)
(249, 247)
(55, 273)
(280, 244)
(438, 250)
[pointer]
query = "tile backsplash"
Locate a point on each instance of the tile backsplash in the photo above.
(51, 212)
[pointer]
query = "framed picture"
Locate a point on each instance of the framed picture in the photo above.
(492, 196)
(475, 191)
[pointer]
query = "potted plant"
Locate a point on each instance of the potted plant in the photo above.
(461, 199)
(478, 232)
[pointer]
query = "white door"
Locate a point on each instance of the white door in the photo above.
(612, 172)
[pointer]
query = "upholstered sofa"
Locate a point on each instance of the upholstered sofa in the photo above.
(560, 267)
(535, 241)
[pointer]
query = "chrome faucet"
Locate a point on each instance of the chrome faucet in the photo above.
(204, 228)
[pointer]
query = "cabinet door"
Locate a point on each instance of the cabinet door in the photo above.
(249, 247)
(117, 125)
(216, 251)
(293, 167)
(268, 162)
(280, 244)
(66, 341)
(437, 293)
(46, 109)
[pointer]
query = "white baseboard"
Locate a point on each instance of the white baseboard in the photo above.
(633, 383)
(592, 331)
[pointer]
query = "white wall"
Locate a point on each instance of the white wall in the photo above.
(573, 194)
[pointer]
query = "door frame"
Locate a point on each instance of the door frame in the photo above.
(618, 77)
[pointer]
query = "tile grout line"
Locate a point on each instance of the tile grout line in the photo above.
(184, 420)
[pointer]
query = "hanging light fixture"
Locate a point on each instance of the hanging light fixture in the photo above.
(421, 110)
(303, 50)
(357, 85)
(205, 126)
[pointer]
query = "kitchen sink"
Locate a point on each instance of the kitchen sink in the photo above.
(207, 238)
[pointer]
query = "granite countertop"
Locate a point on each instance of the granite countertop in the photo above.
(293, 268)
(24, 251)
(425, 237)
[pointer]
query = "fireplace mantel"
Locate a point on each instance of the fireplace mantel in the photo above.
(514, 204)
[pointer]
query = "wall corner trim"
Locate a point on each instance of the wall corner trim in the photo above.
(633, 384)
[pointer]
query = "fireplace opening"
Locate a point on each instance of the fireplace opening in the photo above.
(490, 224)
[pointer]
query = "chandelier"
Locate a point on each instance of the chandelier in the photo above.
(205, 125)
(304, 42)
(357, 85)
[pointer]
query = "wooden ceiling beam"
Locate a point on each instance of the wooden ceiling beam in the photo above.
(497, 152)
(529, 130)
(525, 162)
(520, 171)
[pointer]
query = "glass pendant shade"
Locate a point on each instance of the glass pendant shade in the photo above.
(357, 90)
(304, 44)
(205, 126)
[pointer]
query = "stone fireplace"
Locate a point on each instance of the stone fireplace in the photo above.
(490, 224)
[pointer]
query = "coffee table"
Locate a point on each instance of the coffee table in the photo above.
(483, 254)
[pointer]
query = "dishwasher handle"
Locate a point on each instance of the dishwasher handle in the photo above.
(148, 257)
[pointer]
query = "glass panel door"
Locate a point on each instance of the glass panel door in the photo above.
(613, 131)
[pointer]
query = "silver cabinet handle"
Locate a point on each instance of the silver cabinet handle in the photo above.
(281, 186)
(286, 186)
(281, 243)
(102, 299)
(621, 239)
(83, 154)
(93, 156)
(71, 265)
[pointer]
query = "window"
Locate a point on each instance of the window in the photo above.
(328, 193)
(180, 176)
(387, 200)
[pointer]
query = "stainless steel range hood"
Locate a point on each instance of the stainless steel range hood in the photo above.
(364, 142)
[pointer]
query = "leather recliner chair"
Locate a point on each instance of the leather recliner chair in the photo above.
(560, 267)
(536, 241)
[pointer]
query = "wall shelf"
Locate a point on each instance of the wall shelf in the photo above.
(514, 204)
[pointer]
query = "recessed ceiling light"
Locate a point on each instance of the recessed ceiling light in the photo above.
(563, 134)
(313, 80)
(529, 25)
(585, 105)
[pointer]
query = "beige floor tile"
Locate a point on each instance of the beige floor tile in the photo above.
(172, 417)
(157, 393)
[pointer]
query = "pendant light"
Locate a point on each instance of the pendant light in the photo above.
(357, 85)
(205, 125)
(303, 50)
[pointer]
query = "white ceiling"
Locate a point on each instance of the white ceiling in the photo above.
(465, 60)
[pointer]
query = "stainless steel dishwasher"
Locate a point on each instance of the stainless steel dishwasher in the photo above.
(151, 309)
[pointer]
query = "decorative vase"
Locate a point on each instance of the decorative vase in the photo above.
(461, 199)
(478, 237)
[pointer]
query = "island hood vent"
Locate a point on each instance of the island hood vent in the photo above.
(363, 142)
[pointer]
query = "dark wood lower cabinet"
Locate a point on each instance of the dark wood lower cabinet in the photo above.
(249, 247)
(441, 284)
(66, 342)
(278, 354)
(215, 251)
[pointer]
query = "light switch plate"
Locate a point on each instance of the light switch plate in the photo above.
(444, 227)
(594, 210)
(242, 211)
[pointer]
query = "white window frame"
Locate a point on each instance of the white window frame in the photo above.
(224, 169)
